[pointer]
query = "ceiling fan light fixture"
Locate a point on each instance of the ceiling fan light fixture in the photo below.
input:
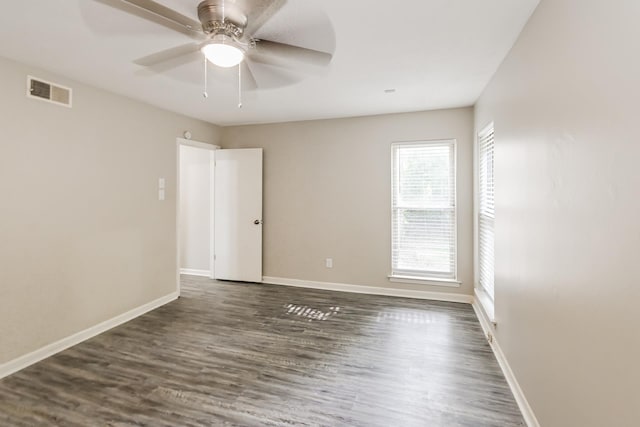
(223, 52)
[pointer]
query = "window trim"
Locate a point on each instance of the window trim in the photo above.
(405, 276)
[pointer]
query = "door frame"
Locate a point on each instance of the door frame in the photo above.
(212, 148)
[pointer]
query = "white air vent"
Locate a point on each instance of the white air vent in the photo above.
(47, 91)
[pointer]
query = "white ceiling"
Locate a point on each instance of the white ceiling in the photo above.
(435, 53)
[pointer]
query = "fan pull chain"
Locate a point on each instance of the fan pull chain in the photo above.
(240, 85)
(205, 94)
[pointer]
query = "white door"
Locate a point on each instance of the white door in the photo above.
(238, 215)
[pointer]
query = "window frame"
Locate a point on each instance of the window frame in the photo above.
(482, 294)
(412, 276)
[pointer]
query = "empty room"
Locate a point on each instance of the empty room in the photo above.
(320, 213)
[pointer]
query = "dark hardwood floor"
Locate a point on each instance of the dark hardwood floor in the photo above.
(263, 355)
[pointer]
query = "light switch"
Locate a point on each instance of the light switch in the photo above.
(161, 194)
(161, 183)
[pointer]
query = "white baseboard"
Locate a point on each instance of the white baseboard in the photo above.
(193, 272)
(372, 290)
(22, 362)
(518, 394)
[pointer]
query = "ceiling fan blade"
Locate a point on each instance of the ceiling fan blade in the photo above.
(159, 14)
(269, 51)
(169, 59)
(271, 77)
(166, 13)
(248, 79)
(298, 68)
(260, 11)
(169, 55)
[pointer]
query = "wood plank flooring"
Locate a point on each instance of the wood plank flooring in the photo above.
(261, 355)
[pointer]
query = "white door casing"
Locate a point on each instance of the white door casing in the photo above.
(179, 215)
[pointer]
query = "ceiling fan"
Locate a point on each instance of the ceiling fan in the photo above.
(226, 35)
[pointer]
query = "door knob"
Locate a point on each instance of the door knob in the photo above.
(257, 222)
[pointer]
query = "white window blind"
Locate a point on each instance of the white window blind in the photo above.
(486, 210)
(424, 210)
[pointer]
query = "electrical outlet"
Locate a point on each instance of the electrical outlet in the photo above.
(329, 262)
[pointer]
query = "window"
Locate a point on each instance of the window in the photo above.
(486, 210)
(424, 210)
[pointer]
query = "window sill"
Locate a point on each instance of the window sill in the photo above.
(426, 281)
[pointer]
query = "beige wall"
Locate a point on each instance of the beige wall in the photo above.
(83, 236)
(327, 194)
(565, 106)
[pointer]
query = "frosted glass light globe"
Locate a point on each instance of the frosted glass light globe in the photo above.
(221, 54)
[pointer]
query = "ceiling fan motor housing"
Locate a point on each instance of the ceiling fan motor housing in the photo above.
(220, 18)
